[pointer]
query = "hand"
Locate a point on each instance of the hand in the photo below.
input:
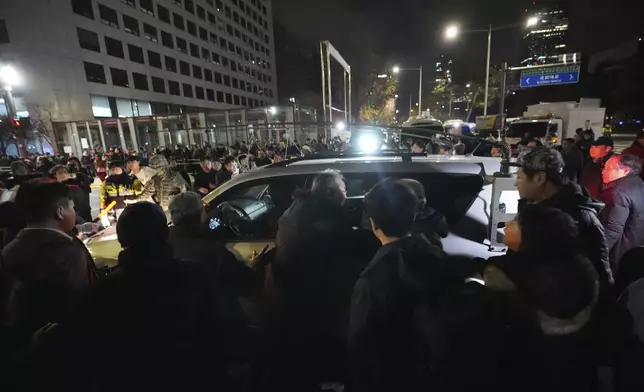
(130, 201)
(204, 190)
(212, 186)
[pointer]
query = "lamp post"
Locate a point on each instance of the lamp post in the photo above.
(453, 31)
(8, 79)
(397, 70)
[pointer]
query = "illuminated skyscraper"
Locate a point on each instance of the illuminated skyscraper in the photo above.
(547, 40)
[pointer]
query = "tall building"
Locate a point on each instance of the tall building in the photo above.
(443, 71)
(547, 40)
(79, 60)
(440, 102)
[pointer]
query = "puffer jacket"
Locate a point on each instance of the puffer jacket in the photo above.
(575, 201)
(164, 185)
(623, 217)
(560, 294)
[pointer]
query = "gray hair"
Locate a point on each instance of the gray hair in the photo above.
(19, 168)
(631, 162)
(186, 208)
(546, 160)
(325, 182)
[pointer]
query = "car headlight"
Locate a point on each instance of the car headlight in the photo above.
(368, 143)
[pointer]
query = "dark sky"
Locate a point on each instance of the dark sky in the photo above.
(409, 32)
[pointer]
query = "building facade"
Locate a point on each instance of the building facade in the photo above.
(82, 60)
(548, 39)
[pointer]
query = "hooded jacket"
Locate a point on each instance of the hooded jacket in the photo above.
(381, 331)
(559, 294)
(623, 217)
(575, 201)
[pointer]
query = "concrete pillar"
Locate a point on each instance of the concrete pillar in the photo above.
(202, 127)
(135, 142)
(70, 138)
(89, 136)
(160, 133)
(290, 118)
(121, 136)
(245, 127)
(191, 136)
(100, 132)
(76, 144)
(227, 117)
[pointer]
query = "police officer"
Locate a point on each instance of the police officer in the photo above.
(120, 187)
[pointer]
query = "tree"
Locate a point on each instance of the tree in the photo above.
(377, 99)
(33, 128)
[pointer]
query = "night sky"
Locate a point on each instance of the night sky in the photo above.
(409, 32)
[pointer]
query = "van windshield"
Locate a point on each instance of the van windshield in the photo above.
(531, 129)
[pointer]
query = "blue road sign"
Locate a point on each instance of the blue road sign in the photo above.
(550, 76)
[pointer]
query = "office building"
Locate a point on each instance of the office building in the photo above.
(82, 60)
(546, 41)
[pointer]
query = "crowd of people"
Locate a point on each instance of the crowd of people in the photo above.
(332, 306)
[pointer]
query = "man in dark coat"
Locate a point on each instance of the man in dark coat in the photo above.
(573, 159)
(192, 240)
(228, 168)
(156, 317)
(80, 192)
(540, 180)
(206, 177)
(623, 217)
(406, 269)
(591, 177)
(318, 259)
(44, 270)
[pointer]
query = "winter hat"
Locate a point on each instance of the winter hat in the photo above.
(158, 162)
(142, 224)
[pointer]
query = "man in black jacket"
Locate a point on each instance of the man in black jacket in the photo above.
(192, 240)
(623, 217)
(228, 169)
(206, 177)
(158, 318)
(591, 176)
(406, 269)
(318, 260)
(44, 270)
(541, 180)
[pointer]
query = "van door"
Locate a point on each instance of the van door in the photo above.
(504, 206)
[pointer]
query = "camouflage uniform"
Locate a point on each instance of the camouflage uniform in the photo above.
(166, 183)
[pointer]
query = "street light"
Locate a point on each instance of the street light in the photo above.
(397, 70)
(272, 110)
(533, 21)
(8, 76)
(468, 85)
(452, 31)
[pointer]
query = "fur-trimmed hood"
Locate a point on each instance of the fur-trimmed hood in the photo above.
(562, 298)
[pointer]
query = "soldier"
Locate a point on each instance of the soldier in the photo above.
(166, 183)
